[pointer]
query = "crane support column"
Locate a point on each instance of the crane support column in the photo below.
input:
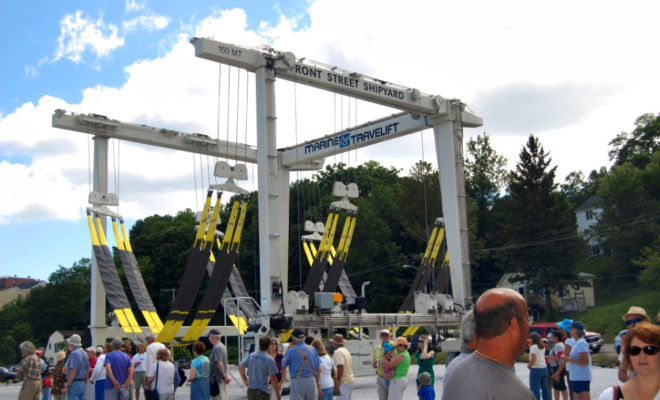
(270, 233)
(449, 151)
(97, 324)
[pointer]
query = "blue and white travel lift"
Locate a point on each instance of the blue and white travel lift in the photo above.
(419, 111)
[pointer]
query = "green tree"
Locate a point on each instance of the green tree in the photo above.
(637, 147)
(543, 246)
(630, 220)
(485, 177)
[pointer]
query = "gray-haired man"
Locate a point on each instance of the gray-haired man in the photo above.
(219, 372)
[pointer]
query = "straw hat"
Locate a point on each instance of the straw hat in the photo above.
(338, 339)
(401, 341)
(59, 356)
(637, 310)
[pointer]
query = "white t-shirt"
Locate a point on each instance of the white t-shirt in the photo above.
(99, 370)
(540, 356)
(150, 358)
(326, 372)
(165, 381)
(608, 394)
(141, 358)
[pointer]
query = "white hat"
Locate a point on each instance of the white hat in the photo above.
(384, 331)
(74, 340)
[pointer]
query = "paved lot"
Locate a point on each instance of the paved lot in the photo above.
(365, 386)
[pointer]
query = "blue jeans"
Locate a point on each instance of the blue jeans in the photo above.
(327, 393)
(538, 383)
(76, 391)
(99, 389)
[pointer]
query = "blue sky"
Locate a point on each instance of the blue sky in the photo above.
(574, 78)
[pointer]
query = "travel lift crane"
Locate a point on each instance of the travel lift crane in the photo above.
(420, 111)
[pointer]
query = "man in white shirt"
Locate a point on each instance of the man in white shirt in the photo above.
(139, 362)
(152, 348)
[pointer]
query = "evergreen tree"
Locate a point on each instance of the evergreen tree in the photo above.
(542, 243)
(485, 177)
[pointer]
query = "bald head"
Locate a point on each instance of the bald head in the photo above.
(494, 310)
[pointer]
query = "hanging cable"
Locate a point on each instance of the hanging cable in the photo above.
(195, 180)
(89, 164)
(228, 109)
(295, 131)
(217, 127)
(426, 210)
(238, 102)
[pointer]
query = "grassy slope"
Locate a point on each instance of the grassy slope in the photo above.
(606, 316)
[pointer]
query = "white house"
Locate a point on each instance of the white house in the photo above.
(57, 342)
(572, 298)
(587, 215)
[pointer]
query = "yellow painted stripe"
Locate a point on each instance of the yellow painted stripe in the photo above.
(215, 217)
(165, 331)
(100, 232)
(326, 232)
(429, 245)
(331, 236)
(308, 253)
(157, 321)
(92, 231)
(127, 242)
(437, 245)
(147, 317)
(239, 323)
(132, 320)
(231, 224)
(349, 239)
(236, 240)
(204, 220)
(123, 321)
(286, 336)
(344, 232)
(118, 238)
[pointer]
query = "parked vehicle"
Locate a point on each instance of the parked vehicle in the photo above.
(594, 339)
(6, 375)
(13, 368)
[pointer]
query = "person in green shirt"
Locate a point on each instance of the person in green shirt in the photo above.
(425, 358)
(377, 363)
(401, 363)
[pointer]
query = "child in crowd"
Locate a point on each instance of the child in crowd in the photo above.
(426, 391)
(388, 373)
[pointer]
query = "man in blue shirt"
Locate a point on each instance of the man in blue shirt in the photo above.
(77, 367)
(119, 370)
(304, 368)
(263, 373)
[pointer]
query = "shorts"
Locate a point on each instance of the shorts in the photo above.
(581, 386)
(138, 381)
(561, 384)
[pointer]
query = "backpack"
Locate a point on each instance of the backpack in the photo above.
(179, 377)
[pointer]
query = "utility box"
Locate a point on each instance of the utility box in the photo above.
(324, 301)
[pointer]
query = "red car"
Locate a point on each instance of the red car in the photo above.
(594, 339)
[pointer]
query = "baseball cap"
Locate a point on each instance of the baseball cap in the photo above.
(384, 331)
(565, 324)
(214, 332)
(578, 325)
(298, 333)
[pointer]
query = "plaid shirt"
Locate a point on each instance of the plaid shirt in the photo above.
(30, 368)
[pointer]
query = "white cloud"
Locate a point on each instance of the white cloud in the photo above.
(575, 79)
(79, 34)
(134, 5)
(148, 22)
(31, 71)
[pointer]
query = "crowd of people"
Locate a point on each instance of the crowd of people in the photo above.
(493, 335)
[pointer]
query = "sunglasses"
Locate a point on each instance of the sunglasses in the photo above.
(633, 321)
(648, 350)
